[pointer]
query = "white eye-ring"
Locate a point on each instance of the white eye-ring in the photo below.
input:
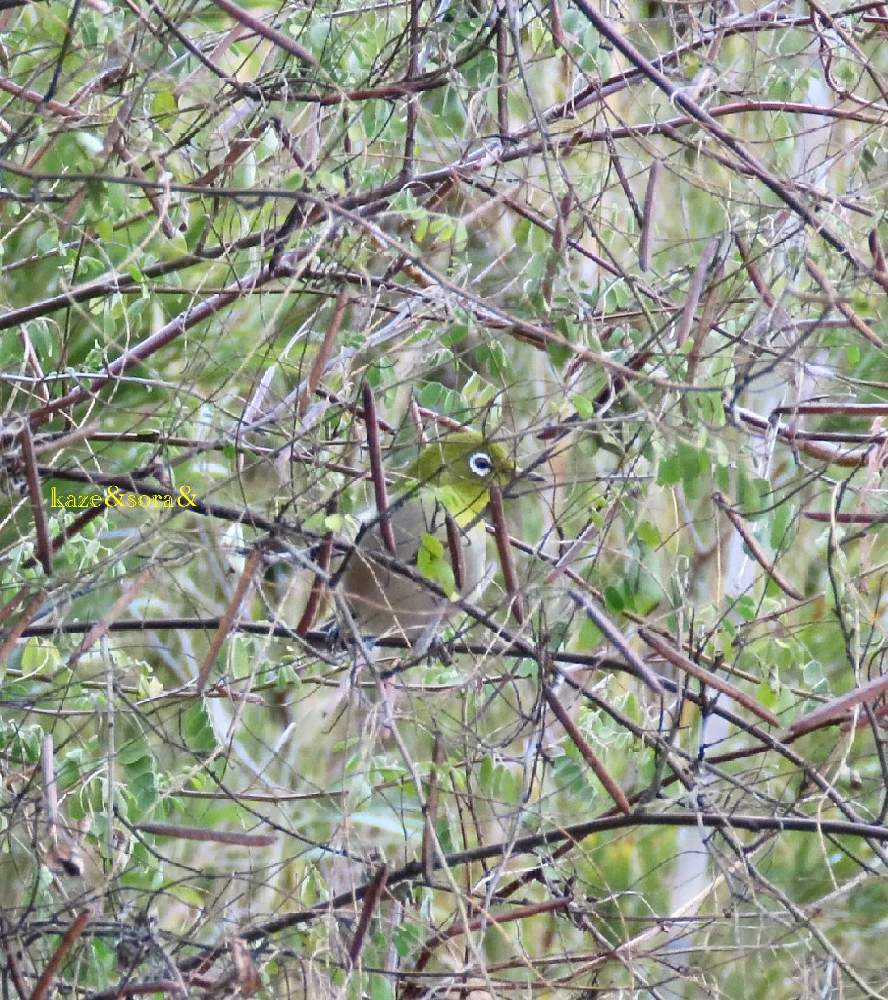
(481, 464)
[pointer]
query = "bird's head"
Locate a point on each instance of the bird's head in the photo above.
(460, 468)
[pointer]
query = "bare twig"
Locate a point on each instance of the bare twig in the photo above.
(377, 469)
(243, 588)
(69, 939)
(758, 553)
(207, 835)
(681, 661)
(371, 901)
(588, 754)
(41, 530)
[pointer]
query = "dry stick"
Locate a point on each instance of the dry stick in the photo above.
(202, 833)
(758, 553)
(69, 939)
(589, 755)
(431, 810)
(614, 158)
(866, 331)
(695, 290)
(502, 76)
(244, 585)
(50, 784)
(828, 516)
(412, 115)
(876, 251)
(41, 530)
(33, 363)
(831, 409)
(377, 470)
(510, 576)
(57, 108)
(278, 38)
(647, 224)
(455, 549)
(102, 625)
(371, 899)
(144, 988)
(559, 238)
(616, 638)
(238, 149)
(311, 383)
(323, 559)
(681, 661)
(245, 975)
(707, 321)
(838, 706)
(677, 94)
(556, 25)
(755, 275)
(24, 621)
(319, 363)
(63, 440)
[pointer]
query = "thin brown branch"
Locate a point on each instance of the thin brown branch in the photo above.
(592, 759)
(455, 550)
(278, 38)
(69, 939)
(68, 532)
(21, 625)
(758, 553)
(483, 920)
(431, 809)
(117, 608)
(207, 835)
(507, 563)
(371, 901)
(318, 583)
(617, 639)
(838, 707)
(42, 546)
(695, 291)
(755, 275)
(377, 469)
(863, 328)
(226, 623)
(648, 214)
(166, 334)
(678, 659)
(319, 363)
(833, 409)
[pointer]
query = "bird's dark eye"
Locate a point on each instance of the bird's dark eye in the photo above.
(480, 464)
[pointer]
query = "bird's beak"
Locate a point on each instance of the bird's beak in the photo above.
(532, 477)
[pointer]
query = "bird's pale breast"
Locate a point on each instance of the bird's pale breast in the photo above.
(385, 602)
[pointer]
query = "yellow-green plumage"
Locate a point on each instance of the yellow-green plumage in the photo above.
(452, 475)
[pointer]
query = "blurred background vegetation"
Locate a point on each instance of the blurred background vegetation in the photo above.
(640, 245)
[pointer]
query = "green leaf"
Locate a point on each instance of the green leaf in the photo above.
(647, 534)
(669, 471)
(434, 565)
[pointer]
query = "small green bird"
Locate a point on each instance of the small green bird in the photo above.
(451, 477)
